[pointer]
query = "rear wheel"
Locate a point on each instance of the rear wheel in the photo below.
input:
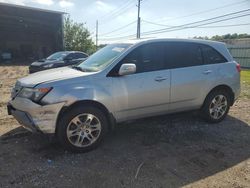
(82, 129)
(216, 106)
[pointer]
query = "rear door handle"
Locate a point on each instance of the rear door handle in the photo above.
(159, 79)
(207, 72)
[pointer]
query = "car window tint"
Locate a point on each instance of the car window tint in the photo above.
(81, 55)
(181, 54)
(148, 57)
(72, 56)
(211, 56)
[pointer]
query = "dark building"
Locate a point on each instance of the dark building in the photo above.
(29, 33)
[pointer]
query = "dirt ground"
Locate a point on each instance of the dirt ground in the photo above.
(167, 151)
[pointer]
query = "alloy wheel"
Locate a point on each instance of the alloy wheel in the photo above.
(83, 130)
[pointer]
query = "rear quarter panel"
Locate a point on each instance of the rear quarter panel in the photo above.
(226, 74)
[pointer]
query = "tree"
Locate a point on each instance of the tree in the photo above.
(227, 36)
(77, 37)
(231, 36)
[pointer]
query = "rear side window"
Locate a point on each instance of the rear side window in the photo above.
(211, 56)
(148, 57)
(181, 54)
(72, 56)
(81, 55)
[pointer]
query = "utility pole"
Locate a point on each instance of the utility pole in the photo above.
(96, 36)
(139, 20)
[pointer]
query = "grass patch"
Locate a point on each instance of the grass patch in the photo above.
(245, 76)
(245, 83)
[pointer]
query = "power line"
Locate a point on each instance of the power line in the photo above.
(232, 25)
(186, 26)
(205, 11)
(205, 27)
(158, 24)
(128, 3)
(213, 26)
(121, 37)
(197, 22)
(122, 5)
(118, 29)
(117, 12)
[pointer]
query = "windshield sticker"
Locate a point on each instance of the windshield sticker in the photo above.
(117, 49)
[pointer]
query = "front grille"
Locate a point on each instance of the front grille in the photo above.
(17, 88)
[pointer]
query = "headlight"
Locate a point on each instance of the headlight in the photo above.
(34, 94)
(48, 66)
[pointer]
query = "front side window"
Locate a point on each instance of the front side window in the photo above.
(211, 56)
(148, 57)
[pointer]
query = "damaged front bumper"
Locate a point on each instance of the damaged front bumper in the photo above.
(35, 117)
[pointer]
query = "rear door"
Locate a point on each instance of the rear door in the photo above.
(189, 76)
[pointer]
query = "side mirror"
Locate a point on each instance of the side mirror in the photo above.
(127, 69)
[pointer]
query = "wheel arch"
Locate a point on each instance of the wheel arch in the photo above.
(108, 114)
(225, 88)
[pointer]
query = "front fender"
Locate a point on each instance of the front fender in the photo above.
(71, 93)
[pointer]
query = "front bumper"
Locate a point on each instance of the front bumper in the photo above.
(35, 117)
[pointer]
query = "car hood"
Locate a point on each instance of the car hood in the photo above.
(45, 62)
(51, 75)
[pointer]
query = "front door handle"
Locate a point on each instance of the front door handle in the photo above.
(159, 79)
(207, 72)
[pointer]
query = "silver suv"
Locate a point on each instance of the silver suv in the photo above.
(127, 81)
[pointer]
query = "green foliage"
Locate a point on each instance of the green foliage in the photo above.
(227, 36)
(77, 37)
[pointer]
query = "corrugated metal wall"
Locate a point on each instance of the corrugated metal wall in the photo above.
(240, 50)
(241, 55)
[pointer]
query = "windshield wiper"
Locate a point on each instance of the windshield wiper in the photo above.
(78, 68)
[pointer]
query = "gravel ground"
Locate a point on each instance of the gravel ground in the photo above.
(179, 150)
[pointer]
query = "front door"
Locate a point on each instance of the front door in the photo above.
(146, 92)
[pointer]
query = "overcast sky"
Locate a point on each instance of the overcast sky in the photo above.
(114, 14)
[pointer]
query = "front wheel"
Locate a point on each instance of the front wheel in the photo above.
(82, 129)
(216, 106)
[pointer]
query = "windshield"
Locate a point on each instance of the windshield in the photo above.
(103, 57)
(58, 56)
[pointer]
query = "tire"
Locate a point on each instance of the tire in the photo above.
(210, 107)
(82, 129)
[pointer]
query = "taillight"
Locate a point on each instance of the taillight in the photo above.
(238, 67)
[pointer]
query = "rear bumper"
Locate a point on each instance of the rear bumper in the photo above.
(35, 117)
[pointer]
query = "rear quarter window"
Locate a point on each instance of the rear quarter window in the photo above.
(212, 56)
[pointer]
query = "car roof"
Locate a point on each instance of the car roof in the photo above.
(69, 52)
(136, 41)
(219, 46)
